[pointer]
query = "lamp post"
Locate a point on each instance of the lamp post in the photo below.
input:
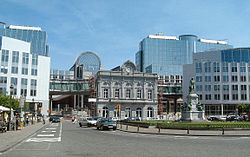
(21, 107)
(9, 117)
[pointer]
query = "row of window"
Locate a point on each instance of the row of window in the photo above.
(225, 78)
(128, 112)
(128, 93)
(216, 67)
(14, 81)
(208, 88)
(15, 57)
(225, 97)
(14, 70)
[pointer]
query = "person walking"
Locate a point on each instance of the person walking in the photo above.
(43, 119)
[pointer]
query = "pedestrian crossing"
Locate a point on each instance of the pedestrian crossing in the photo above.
(52, 133)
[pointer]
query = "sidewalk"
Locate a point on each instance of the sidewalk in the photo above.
(11, 138)
(152, 130)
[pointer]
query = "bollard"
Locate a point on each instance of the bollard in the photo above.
(120, 126)
(223, 131)
(138, 128)
(159, 129)
(127, 127)
(188, 130)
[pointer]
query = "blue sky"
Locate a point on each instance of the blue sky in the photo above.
(114, 28)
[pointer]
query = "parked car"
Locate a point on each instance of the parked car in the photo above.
(92, 121)
(83, 122)
(214, 118)
(234, 118)
(51, 118)
(105, 123)
(56, 120)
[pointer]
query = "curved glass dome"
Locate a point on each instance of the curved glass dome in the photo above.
(90, 62)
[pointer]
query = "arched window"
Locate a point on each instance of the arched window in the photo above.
(127, 112)
(116, 112)
(150, 112)
(138, 112)
(105, 112)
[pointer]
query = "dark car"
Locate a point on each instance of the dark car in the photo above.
(105, 123)
(56, 120)
(3, 126)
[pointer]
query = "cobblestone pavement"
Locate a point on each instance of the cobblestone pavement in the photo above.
(10, 138)
(153, 130)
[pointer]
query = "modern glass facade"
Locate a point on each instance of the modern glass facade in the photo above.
(36, 37)
(165, 56)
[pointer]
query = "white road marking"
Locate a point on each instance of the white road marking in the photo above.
(42, 140)
(54, 124)
(50, 128)
(60, 134)
(47, 135)
(49, 131)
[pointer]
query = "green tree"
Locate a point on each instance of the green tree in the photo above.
(241, 108)
(7, 101)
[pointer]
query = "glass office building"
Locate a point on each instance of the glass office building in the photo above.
(33, 35)
(165, 55)
(222, 79)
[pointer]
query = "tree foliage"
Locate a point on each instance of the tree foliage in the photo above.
(242, 108)
(7, 101)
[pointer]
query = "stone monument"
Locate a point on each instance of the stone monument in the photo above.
(192, 110)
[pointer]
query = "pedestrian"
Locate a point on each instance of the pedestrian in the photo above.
(43, 119)
(73, 118)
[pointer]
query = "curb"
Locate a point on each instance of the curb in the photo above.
(152, 133)
(19, 141)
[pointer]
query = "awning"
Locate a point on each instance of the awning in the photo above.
(2, 108)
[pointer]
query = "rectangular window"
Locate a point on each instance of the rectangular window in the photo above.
(235, 96)
(25, 71)
(5, 56)
(34, 59)
(3, 80)
(243, 87)
(14, 70)
(217, 78)
(15, 56)
(199, 88)
(198, 78)
(24, 81)
(226, 96)
(243, 96)
(207, 67)
(216, 67)
(25, 58)
(216, 87)
(207, 78)
(225, 87)
(235, 87)
(208, 96)
(200, 96)
(138, 93)
(105, 93)
(242, 67)
(234, 78)
(243, 78)
(217, 97)
(13, 81)
(198, 67)
(4, 70)
(128, 93)
(117, 93)
(150, 94)
(34, 72)
(208, 88)
(225, 67)
(225, 78)
(33, 92)
(24, 92)
(234, 67)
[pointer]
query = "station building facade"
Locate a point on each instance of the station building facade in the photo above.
(222, 79)
(124, 92)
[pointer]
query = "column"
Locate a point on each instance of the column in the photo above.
(175, 103)
(82, 102)
(74, 102)
(222, 112)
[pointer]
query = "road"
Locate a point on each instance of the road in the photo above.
(67, 139)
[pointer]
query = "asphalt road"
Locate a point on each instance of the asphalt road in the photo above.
(67, 139)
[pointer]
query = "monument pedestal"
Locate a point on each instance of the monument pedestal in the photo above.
(192, 111)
